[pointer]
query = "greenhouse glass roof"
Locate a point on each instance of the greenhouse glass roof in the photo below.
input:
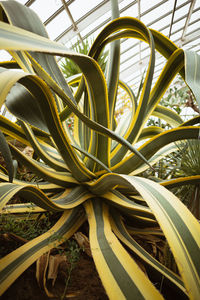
(76, 20)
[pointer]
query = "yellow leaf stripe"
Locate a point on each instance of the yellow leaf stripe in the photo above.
(44, 186)
(63, 179)
(181, 181)
(149, 148)
(121, 201)
(43, 151)
(121, 276)
(180, 227)
(121, 232)
(15, 263)
(67, 200)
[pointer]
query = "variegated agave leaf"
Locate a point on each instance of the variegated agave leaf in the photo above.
(85, 175)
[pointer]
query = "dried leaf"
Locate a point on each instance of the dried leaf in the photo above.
(154, 249)
(41, 269)
(54, 262)
(28, 151)
(41, 266)
(153, 238)
(161, 257)
(83, 242)
(72, 295)
(14, 237)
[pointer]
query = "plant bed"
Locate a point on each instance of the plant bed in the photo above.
(84, 284)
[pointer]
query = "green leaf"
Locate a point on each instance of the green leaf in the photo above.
(121, 276)
(14, 264)
(5, 152)
(148, 149)
(122, 233)
(66, 200)
(192, 76)
(180, 227)
(63, 179)
(28, 19)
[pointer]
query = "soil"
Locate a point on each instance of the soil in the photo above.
(84, 284)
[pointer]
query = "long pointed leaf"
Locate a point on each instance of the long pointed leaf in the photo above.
(120, 275)
(13, 265)
(5, 152)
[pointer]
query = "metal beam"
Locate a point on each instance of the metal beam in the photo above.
(57, 12)
(166, 26)
(172, 19)
(88, 18)
(83, 22)
(188, 18)
(75, 28)
(29, 2)
(142, 14)
(139, 15)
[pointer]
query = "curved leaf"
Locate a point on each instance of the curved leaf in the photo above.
(5, 152)
(192, 77)
(180, 227)
(28, 19)
(44, 186)
(67, 200)
(63, 179)
(167, 115)
(148, 149)
(121, 276)
(44, 151)
(124, 236)
(15, 263)
(181, 181)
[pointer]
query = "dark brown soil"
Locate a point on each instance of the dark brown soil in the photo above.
(84, 284)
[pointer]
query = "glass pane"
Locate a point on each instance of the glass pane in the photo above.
(91, 26)
(181, 12)
(43, 10)
(126, 55)
(79, 9)
(192, 28)
(163, 22)
(197, 4)
(72, 42)
(130, 12)
(195, 15)
(127, 44)
(58, 25)
(178, 25)
(5, 56)
(176, 37)
(146, 5)
(124, 3)
(158, 12)
(22, 1)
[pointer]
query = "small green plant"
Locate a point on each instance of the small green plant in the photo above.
(27, 227)
(72, 253)
(69, 68)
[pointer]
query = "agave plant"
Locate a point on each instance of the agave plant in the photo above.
(93, 174)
